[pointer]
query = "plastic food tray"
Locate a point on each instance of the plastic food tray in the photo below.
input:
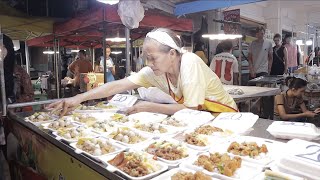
(171, 163)
(118, 148)
(275, 149)
(162, 167)
(147, 139)
(167, 175)
(87, 132)
(246, 171)
(291, 130)
(73, 125)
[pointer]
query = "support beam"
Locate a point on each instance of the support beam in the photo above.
(205, 5)
(161, 5)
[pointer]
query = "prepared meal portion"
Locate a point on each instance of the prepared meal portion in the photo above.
(95, 147)
(134, 164)
(102, 105)
(151, 128)
(74, 133)
(127, 136)
(207, 130)
(40, 117)
(101, 126)
(84, 107)
(61, 123)
(83, 118)
(120, 118)
(181, 175)
(167, 150)
(195, 139)
(220, 163)
(250, 149)
(174, 122)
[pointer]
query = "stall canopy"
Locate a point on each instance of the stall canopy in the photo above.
(19, 26)
(87, 30)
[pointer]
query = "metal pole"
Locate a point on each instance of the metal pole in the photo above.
(56, 64)
(3, 84)
(26, 48)
(58, 68)
(104, 45)
(128, 65)
(93, 56)
(240, 61)
(17, 105)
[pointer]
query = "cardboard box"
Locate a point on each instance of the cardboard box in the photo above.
(89, 81)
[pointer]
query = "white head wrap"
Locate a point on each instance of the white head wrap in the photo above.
(164, 38)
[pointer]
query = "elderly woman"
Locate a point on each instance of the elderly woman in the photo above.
(185, 77)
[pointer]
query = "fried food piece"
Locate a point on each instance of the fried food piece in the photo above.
(247, 149)
(207, 130)
(190, 176)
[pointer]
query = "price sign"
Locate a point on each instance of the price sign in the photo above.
(123, 100)
(284, 123)
(231, 116)
(312, 153)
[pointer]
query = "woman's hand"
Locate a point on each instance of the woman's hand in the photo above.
(142, 106)
(65, 105)
(309, 114)
(317, 111)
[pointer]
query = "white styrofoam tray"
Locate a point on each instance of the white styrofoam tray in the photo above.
(246, 171)
(162, 167)
(291, 130)
(167, 175)
(275, 149)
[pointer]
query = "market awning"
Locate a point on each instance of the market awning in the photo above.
(87, 30)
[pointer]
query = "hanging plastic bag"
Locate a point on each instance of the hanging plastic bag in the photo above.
(131, 13)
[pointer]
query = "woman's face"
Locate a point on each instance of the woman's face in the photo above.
(298, 92)
(288, 40)
(157, 60)
(277, 41)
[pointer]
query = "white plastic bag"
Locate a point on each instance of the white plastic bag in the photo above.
(131, 13)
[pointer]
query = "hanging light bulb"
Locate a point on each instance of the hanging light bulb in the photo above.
(111, 2)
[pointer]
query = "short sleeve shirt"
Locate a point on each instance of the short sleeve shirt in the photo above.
(196, 82)
(224, 65)
(109, 62)
(260, 52)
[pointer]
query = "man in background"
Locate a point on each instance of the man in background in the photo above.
(80, 65)
(260, 55)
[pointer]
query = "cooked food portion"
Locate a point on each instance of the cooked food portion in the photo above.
(181, 175)
(101, 126)
(126, 135)
(61, 123)
(120, 118)
(195, 139)
(96, 147)
(134, 164)
(247, 149)
(173, 122)
(152, 128)
(221, 163)
(40, 117)
(167, 150)
(83, 118)
(102, 105)
(84, 107)
(71, 134)
(207, 130)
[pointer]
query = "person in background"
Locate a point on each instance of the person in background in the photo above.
(110, 72)
(80, 65)
(8, 65)
(225, 65)
(199, 50)
(289, 105)
(260, 55)
(292, 54)
(183, 76)
(280, 56)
